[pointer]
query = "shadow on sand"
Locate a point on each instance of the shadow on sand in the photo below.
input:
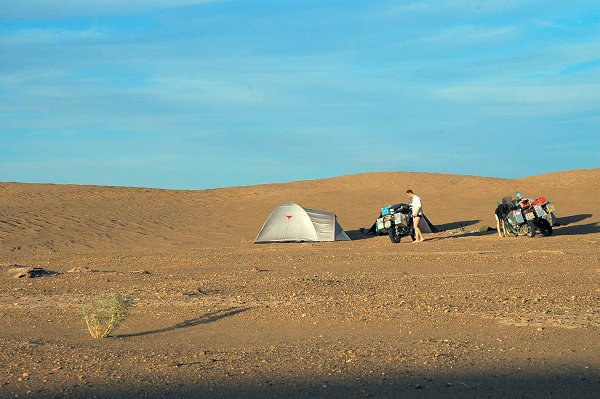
(360, 234)
(364, 233)
(567, 220)
(456, 225)
(204, 319)
(581, 229)
(519, 384)
(566, 228)
(462, 235)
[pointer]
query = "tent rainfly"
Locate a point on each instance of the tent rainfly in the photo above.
(292, 223)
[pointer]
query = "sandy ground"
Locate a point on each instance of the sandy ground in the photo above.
(468, 315)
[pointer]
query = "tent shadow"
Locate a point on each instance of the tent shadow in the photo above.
(360, 234)
(204, 319)
(456, 225)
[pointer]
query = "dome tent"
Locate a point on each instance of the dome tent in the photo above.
(292, 223)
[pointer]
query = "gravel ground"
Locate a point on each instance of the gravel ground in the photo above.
(456, 316)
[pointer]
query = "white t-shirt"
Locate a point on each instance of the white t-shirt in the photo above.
(416, 205)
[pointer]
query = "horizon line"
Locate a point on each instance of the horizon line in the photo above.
(291, 181)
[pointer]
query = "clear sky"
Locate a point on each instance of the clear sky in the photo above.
(199, 94)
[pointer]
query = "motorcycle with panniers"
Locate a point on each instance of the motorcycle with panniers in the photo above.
(525, 217)
(397, 220)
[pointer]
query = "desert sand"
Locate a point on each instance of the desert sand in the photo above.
(460, 315)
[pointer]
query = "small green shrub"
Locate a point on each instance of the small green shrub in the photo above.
(105, 313)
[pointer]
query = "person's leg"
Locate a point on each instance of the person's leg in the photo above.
(418, 234)
(498, 225)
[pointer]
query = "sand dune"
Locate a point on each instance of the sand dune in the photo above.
(215, 316)
(78, 218)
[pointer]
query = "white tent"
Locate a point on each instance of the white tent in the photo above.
(292, 223)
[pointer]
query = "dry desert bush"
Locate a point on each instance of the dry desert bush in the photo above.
(105, 313)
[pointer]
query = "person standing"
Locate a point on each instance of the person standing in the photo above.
(500, 214)
(417, 213)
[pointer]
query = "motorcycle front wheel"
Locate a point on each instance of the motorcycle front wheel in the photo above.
(530, 231)
(509, 230)
(394, 236)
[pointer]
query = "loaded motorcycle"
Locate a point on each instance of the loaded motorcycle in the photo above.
(526, 217)
(398, 221)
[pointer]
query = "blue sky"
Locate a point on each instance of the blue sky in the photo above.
(199, 94)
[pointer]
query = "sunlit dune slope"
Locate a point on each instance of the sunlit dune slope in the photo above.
(80, 218)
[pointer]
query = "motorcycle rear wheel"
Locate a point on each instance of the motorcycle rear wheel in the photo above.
(545, 227)
(394, 236)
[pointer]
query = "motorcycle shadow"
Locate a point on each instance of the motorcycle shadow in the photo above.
(566, 228)
(567, 220)
(582, 229)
